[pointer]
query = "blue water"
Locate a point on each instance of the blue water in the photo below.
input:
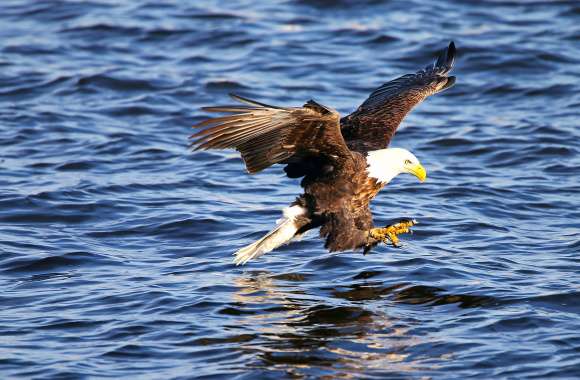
(116, 240)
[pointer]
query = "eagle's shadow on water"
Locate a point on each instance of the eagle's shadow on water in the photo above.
(303, 328)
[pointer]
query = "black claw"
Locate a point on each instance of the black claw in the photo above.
(408, 221)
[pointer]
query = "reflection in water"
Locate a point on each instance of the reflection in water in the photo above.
(412, 294)
(301, 333)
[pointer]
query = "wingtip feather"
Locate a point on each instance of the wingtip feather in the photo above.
(445, 60)
(451, 52)
(251, 102)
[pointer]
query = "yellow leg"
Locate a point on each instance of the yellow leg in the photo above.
(389, 234)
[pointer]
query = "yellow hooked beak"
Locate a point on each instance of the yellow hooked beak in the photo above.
(418, 171)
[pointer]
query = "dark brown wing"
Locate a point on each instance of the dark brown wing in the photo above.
(267, 135)
(374, 123)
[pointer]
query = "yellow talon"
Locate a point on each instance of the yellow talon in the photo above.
(389, 234)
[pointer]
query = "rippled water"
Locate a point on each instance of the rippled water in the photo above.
(116, 241)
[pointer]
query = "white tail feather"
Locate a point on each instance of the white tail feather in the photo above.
(280, 235)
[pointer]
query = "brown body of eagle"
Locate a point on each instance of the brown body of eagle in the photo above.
(329, 154)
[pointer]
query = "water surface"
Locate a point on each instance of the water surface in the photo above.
(116, 241)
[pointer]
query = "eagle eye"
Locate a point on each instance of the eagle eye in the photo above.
(407, 162)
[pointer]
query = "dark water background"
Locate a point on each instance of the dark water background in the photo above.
(116, 242)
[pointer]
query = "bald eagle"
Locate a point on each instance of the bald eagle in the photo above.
(343, 163)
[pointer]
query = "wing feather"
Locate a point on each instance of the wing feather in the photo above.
(227, 138)
(374, 123)
(266, 135)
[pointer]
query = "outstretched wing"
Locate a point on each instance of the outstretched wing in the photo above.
(374, 123)
(267, 135)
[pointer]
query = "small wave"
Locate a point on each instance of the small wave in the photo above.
(223, 85)
(102, 30)
(55, 263)
(383, 39)
(333, 315)
(205, 15)
(421, 295)
(118, 83)
(34, 217)
(130, 111)
(76, 166)
(452, 142)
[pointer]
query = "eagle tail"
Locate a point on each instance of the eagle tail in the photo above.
(286, 229)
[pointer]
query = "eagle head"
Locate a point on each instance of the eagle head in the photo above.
(386, 164)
